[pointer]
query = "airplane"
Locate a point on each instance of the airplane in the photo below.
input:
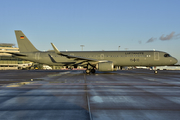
(91, 60)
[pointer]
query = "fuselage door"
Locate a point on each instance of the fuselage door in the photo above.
(156, 56)
(102, 56)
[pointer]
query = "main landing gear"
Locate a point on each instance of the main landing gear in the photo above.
(88, 71)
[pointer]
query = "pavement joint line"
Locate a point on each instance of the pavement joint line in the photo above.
(87, 97)
(59, 74)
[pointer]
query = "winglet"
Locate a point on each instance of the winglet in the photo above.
(55, 49)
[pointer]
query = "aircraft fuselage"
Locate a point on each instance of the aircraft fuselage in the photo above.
(119, 58)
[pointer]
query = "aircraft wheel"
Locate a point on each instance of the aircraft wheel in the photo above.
(93, 70)
(155, 71)
(88, 71)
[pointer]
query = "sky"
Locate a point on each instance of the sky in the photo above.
(96, 24)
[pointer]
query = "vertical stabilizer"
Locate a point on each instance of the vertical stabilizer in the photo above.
(23, 42)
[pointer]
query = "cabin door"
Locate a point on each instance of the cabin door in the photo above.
(156, 56)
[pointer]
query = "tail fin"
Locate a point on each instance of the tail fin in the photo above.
(23, 42)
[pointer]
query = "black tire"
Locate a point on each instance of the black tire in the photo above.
(93, 70)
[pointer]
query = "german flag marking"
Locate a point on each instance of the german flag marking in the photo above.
(21, 37)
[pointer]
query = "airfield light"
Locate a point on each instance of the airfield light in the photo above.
(82, 47)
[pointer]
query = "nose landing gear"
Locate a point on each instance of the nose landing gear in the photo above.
(155, 72)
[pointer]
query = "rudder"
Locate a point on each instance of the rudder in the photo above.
(23, 42)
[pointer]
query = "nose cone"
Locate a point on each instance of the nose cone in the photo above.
(174, 61)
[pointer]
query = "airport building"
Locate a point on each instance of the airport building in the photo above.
(7, 61)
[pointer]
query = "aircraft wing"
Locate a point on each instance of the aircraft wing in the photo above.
(67, 63)
(83, 59)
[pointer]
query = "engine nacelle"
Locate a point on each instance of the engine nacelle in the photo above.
(105, 66)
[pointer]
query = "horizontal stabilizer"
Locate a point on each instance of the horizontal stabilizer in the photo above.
(16, 54)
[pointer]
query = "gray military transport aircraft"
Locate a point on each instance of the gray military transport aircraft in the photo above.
(91, 60)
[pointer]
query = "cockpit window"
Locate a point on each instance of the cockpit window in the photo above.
(167, 55)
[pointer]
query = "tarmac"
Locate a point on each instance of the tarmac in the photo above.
(74, 95)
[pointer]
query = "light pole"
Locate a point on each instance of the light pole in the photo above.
(82, 47)
(119, 47)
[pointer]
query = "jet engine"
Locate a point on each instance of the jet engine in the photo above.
(105, 66)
